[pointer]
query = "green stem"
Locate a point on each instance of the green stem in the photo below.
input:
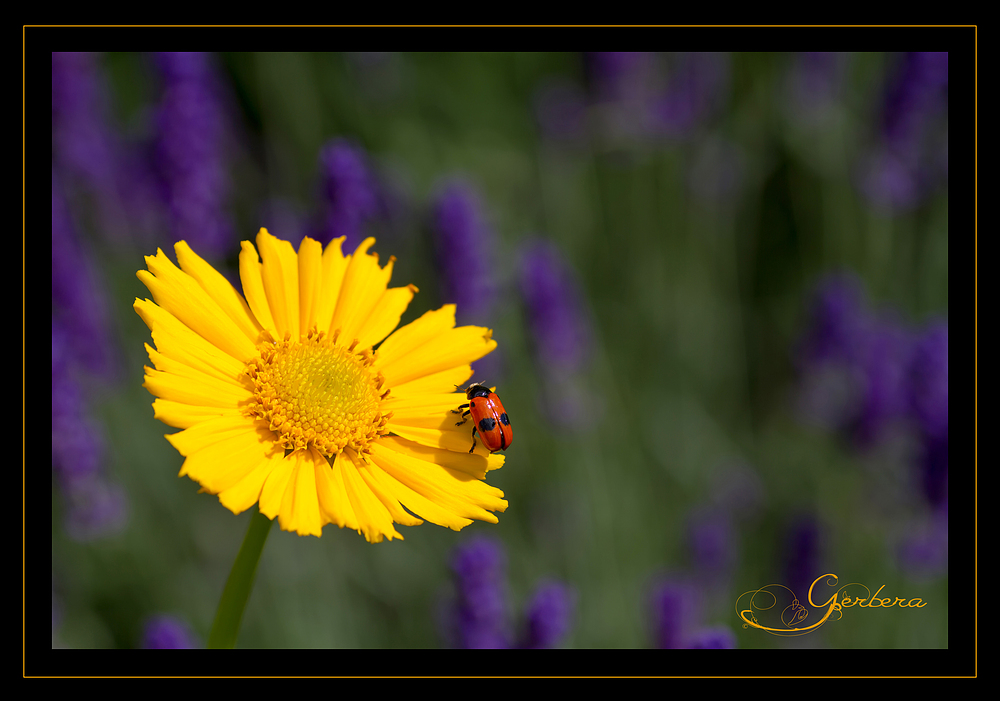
(234, 597)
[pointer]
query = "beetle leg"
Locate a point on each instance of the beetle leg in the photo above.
(464, 419)
(473, 440)
(459, 409)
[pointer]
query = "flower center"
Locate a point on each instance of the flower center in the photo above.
(313, 392)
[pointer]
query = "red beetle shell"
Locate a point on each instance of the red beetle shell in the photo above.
(490, 418)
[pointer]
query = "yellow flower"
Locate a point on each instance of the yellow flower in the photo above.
(283, 400)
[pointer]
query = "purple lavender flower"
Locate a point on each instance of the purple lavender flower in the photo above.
(885, 354)
(81, 141)
(548, 616)
(464, 247)
(837, 321)
(481, 609)
(556, 314)
(853, 364)
(714, 638)
(637, 95)
(615, 76)
(676, 609)
(478, 618)
(191, 130)
(85, 149)
(802, 554)
(923, 551)
(928, 380)
(711, 539)
(904, 166)
(890, 181)
(349, 193)
(624, 87)
(695, 87)
(865, 374)
(165, 632)
(78, 303)
(560, 332)
(677, 614)
(97, 507)
(79, 346)
(78, 450)
(917, 92)
(932, 469)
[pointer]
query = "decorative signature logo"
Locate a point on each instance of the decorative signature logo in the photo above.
(792, 613)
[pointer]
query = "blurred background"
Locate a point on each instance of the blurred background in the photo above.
(719, 283)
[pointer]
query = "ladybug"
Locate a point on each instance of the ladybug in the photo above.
(489, 416)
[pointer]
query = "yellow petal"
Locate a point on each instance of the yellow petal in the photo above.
(377, 479)
(334, 265)
(333, 502)
(426, 405)
(300, 505)
(281, 282)
(437, 383)
(252, 277)
(452, 490)
(438, 431)
(374, 520)
(218, 288)
(474, 464)
(175, 340)
(246, 492)
(239, 386)
(385, 315)
(431, 349)
(444, 440)
(310, 281)
(185, 415)
(275, 485)
(363, 286)
(181, 295)
(191, 440)
(415, 334)
(188, 391)
(400, 493)
(224, 463)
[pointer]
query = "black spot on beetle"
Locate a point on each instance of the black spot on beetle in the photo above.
(504, 420)
(487, 424)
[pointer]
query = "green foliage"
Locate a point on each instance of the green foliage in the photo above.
(695, 303)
